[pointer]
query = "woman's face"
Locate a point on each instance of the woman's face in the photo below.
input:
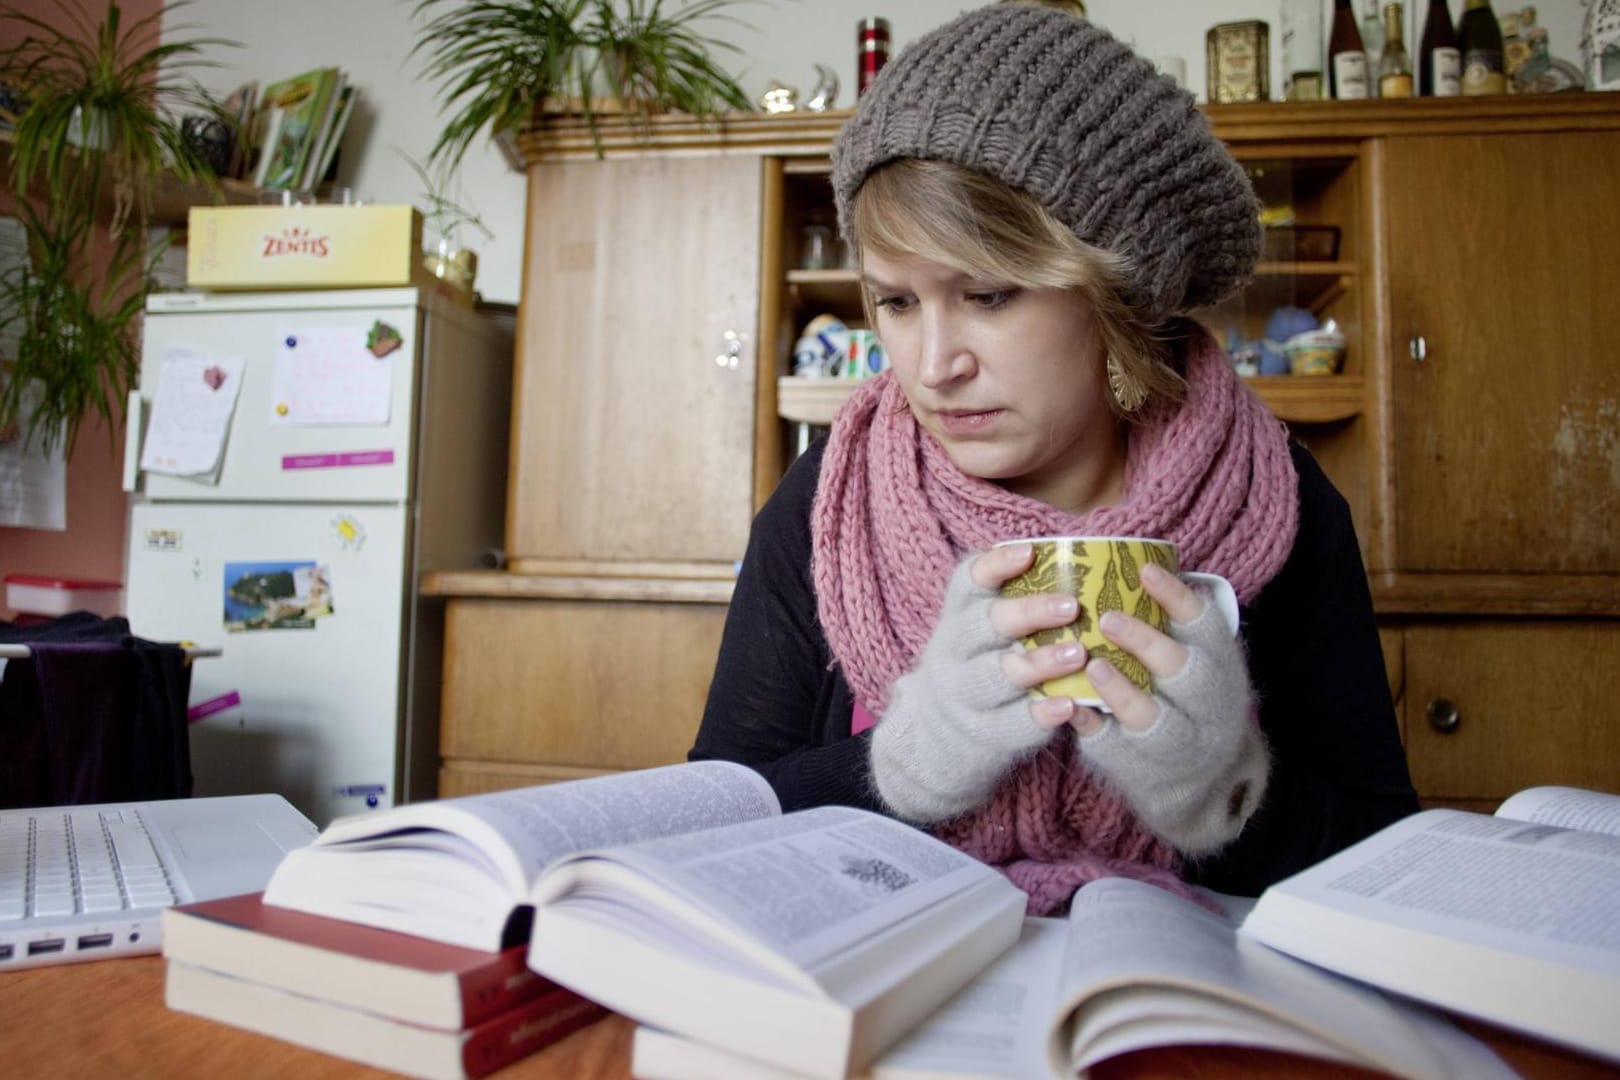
(1010, 381)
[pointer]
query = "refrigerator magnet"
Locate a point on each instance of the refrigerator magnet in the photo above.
(351, 534)
(204, 709)
(287, 595)
(382, 339)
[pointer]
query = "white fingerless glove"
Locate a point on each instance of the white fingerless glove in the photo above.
(955, 724)
(1198, 773)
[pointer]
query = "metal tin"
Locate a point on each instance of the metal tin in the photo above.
(1239, 62)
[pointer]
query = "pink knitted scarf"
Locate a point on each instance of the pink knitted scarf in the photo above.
(894, 516)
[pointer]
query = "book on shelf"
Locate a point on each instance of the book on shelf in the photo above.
(683, 898)
(296, 110)
(332, 137)
(1512, 917)
(1131, 967)
(371, 1039)
(405, 978)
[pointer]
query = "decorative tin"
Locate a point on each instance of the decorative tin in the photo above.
(1239, 62)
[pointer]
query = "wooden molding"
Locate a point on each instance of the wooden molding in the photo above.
(1518, 595)
(510, 585)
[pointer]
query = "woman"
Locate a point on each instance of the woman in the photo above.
(1035, 209)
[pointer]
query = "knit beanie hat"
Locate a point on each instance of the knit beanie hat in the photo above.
(1053, 105)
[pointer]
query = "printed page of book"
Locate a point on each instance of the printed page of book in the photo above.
(1512, 921)
(803, 888)
(1567, 807)
(1133, 936)
(995, 1027)
(452, 869)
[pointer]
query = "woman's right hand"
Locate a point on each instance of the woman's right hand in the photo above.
(963, 717)
(1015, 618)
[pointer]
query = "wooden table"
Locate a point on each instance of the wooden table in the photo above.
(107, 1019)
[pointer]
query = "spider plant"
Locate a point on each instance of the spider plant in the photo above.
(111, 88)
(75, 336)
(99, 132)
(499, 60)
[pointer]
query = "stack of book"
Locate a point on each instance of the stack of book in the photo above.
(394, 1001)
(751, 943)
(301, 125)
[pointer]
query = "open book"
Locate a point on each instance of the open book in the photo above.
(460, 870)
(1131, 967)
(1513, 918)
(681, 897)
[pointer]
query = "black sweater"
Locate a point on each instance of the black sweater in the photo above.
(779, 704)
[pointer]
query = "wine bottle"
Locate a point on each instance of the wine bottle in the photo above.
(1394, 63)
(1479, 38)
(1347, 59)
(1439, 62)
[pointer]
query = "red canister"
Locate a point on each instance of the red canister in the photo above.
(871, 51)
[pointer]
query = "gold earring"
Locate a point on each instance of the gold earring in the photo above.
(1128, 391)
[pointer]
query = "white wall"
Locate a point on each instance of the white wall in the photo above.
(372, 40)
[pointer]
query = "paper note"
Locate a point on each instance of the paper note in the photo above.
(33, 484)
(333, 375)
(191, 413)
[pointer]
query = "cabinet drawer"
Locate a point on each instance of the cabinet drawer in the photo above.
(1534, 704)
(579, 684)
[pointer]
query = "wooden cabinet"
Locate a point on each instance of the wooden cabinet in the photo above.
(1474, 429)
(1501, 273)
(633, 412)
(1493, 706)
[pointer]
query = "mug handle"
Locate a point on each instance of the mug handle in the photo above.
(1220, 594)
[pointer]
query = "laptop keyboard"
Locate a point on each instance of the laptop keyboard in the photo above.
(77, 862)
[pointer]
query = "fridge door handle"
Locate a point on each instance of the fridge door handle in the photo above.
(134, 428)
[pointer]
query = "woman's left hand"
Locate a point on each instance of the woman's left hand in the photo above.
(1188, 757)
(1163, 655)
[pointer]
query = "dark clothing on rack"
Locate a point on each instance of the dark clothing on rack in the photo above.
(779, 704)
(93, 714)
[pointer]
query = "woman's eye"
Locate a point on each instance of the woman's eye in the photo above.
(990, 299)
(893, 305)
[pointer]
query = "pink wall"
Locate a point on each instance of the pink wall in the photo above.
(93, 545)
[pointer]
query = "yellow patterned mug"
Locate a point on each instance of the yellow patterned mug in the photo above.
(1104, 574)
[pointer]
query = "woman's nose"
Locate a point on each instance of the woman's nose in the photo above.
(945, 354)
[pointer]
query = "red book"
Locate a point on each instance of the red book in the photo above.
(393, 975)
(375, 1040)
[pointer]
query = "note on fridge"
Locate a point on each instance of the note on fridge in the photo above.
(334, 375)
(191, 413)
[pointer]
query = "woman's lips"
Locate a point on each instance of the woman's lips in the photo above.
(967, 422)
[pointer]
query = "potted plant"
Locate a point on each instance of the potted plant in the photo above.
(446, 254)
(99, 131)
(501, 60)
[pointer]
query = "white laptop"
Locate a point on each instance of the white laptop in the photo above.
(87, 882)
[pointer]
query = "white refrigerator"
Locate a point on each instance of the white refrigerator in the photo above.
(290, 525)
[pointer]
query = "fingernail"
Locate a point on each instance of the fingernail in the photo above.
(1154, 572)
(1070, 652)
(1019, 551)
(1101, 672)
(1065, 607)
(1054, 712)
(1112, 622)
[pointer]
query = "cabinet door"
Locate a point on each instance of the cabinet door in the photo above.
(1500, 253)
(575, 684)
(1492, 707)
(631, 443)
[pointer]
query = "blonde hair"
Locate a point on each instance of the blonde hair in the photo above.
(976, 224)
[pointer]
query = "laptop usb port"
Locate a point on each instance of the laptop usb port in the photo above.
(95, 941)
(39, 948)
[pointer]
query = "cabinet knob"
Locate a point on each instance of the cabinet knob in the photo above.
(731, 349)
(1418, 346)
(1443, 715)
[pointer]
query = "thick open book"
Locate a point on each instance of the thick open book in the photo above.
(1513, 918)
(1130, 967)
(681, 897)
(460, 870)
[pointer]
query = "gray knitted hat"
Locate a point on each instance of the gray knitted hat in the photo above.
(1055, 106)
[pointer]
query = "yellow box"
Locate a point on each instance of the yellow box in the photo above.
(287, 247)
